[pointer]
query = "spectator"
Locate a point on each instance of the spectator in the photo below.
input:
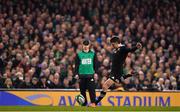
(130, 85)
(50, 81)
(96, 80)
(8, 84)
(160, 84)
(57, 81)
(147, 85)
(26, 83)
(34, 83)
(19, 79)
(43, 82)
(167, 85)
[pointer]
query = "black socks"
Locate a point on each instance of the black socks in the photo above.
(102, 94)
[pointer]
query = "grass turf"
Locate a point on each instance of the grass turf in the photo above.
(78, 108)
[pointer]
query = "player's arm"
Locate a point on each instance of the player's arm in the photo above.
(133, 49)
(95, 63)
(77, 62)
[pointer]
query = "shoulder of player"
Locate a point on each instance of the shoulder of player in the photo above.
(92, 52)
(79, 52)
(122, 46)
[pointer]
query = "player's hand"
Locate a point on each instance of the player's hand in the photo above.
(139, 45)
(76, 77)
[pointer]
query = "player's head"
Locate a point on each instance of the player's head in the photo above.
(115, 41)
(86, 45)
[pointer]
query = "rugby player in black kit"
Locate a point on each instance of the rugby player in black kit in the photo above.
(119, 55)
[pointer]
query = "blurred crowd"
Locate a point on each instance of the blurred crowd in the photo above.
(39, 40)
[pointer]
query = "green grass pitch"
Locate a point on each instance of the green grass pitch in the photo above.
(78, 108)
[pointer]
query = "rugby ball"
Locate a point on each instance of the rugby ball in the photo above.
(80, 99)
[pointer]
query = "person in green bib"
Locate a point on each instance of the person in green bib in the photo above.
(85, 68)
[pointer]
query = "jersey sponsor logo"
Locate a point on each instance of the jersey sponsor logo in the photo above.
(87, 61)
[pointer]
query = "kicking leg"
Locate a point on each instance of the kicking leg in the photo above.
(105, 87)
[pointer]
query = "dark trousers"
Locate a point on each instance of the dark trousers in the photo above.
(88, 84)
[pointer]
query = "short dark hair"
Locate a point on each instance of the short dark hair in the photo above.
(86, 42)
(115, 39)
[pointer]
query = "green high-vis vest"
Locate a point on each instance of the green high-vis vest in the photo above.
(86, 66)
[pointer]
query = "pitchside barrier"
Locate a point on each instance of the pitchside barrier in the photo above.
(65, 97)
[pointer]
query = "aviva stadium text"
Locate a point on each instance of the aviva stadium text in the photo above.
(124, 101)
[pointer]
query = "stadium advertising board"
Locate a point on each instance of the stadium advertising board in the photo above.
(67, 98)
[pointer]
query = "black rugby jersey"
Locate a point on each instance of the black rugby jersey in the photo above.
(118, 59)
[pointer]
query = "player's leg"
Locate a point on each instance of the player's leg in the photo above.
(91, 89)
(82, 86)
(105, 87)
